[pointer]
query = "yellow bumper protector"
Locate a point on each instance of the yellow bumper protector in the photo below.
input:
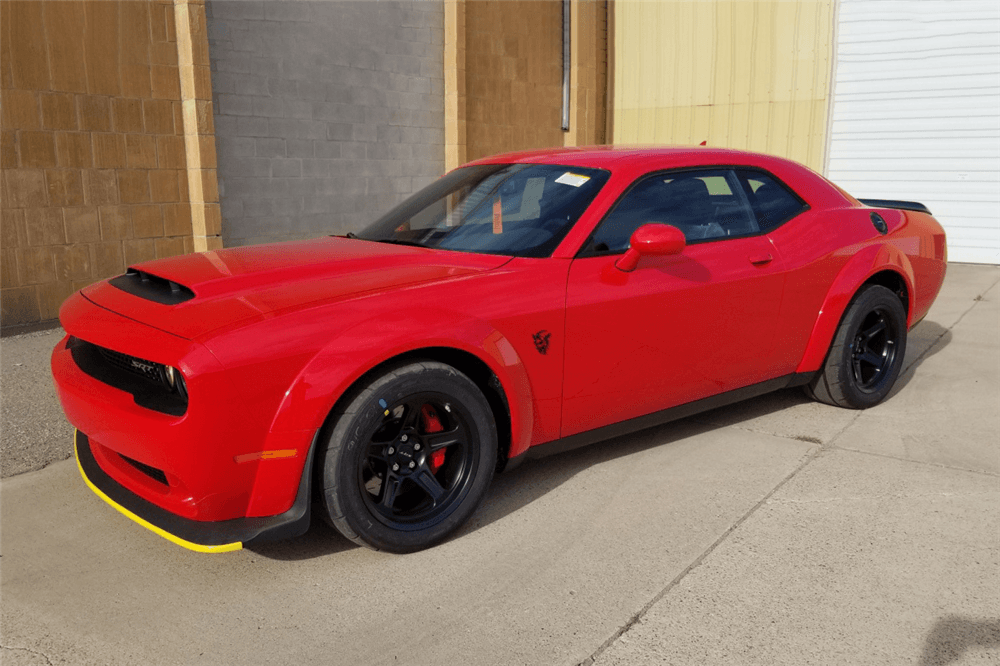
(221, 548)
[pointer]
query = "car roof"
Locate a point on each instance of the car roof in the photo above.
(615, 157)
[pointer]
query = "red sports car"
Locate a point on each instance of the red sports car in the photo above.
(546, 298)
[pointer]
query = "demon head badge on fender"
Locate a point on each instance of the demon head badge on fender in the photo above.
(542, 341)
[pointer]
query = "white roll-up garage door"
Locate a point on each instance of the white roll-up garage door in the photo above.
(916, 113)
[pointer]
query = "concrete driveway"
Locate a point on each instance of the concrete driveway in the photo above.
(777, 531)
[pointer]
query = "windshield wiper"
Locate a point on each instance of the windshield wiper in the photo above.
(397, 241)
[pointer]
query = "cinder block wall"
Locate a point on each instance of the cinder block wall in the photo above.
(326, 113)
(93, 148)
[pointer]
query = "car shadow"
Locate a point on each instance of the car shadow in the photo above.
(518, 488)
(509, 491)
(939, 336)
(952, 635)
(320, 540)
(536, 477)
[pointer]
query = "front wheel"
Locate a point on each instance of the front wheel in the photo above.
(409, 459)
(867, 352)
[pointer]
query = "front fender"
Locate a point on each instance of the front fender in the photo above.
(372, 342)
(863, 265)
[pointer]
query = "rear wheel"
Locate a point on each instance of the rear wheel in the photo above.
(867, 352)
(409, 459)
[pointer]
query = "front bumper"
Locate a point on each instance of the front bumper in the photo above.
(202, 536)
(215, 461)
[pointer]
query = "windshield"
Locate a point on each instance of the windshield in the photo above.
(521, 210)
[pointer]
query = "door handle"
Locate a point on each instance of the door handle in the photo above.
(760, 259)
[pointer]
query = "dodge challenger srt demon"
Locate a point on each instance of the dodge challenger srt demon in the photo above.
(545, 298)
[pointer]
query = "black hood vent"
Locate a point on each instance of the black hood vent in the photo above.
(151, 287)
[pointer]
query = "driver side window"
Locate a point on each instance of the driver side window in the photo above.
(704, 204)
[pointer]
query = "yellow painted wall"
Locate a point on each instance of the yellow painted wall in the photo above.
(747, 74)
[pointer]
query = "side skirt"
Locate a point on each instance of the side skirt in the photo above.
(659, 418)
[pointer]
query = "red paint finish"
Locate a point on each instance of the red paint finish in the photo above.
(651, 240)
(277, 334)
(641, 341)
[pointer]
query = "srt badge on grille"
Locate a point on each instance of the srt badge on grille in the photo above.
(145, 367)
(542, 341)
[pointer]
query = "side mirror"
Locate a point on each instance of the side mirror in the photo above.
(653, 240)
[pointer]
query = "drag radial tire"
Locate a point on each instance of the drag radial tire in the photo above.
(409, 458)
(866, 354)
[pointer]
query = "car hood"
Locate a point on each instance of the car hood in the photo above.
(243, 284)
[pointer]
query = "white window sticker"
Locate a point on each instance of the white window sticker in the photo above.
(576, 180)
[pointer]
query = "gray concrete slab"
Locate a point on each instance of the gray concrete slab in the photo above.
(561, 555)
(859, 559)
(33, 431)
(946, 406)
(963, 285)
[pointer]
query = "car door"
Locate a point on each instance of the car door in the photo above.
(677, 328)
(803, 246)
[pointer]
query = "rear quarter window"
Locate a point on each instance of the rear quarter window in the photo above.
(773, 203)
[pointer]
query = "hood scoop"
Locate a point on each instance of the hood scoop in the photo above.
(192, 295)
(151, 287)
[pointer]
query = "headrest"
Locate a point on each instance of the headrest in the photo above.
(693, 188)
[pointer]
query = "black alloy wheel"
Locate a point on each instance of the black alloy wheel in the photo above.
(867, 352)
(873, 350)
(409, 458)
(419, 460)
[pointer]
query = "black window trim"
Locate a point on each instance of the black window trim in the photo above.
(803, 204)
(586, 252)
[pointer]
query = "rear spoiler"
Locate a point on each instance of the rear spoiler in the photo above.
(889, 203)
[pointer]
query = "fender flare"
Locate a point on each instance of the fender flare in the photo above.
(859, 269)
(370, 343)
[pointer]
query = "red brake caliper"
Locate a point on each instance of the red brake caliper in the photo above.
(432, 423)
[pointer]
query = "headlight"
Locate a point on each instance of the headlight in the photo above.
(175, 380)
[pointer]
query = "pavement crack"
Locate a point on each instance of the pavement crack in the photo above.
(637, 617)
(869, 498)
(22, 649)
(836, 436)
(975, 301)
(916, 462)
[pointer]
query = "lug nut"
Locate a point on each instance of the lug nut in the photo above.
(403, 438)
(391, 450)
(416, 447)
(395, 467)
(412, 464)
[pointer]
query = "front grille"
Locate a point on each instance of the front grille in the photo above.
(148, 470)
(138, 366)
(145, 380)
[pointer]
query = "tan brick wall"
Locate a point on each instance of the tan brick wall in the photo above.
(94, 168)
(503, 76)
(199, 130)
(513, 75)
